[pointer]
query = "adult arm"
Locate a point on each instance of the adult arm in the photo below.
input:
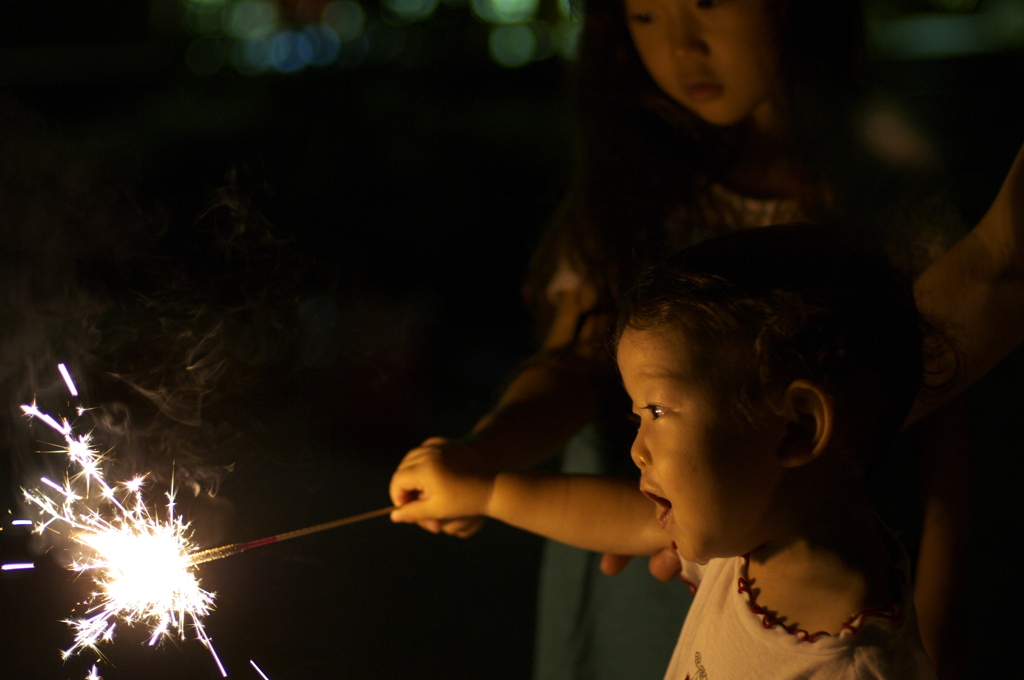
(551, 398)
(555, 394)
(976, 291)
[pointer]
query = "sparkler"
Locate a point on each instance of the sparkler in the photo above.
(143, 564)
(138, 560)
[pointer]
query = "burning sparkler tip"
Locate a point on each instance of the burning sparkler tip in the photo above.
(138, 561)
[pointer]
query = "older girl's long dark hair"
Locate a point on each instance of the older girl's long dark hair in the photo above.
(644, 157)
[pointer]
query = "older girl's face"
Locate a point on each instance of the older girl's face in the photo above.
(718, 58)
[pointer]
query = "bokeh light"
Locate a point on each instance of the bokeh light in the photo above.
(565, 37)
(323, 43)
(512, 45)
(288, 36)
(505, 11)
(410, 10)
(346, 18)
(995, 25)
(252, 19)
(204, 17)
(251, 57)
(290, 51)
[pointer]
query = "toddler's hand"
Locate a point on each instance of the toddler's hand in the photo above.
(443, 486)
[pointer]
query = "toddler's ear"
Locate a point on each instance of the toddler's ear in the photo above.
(809, 414)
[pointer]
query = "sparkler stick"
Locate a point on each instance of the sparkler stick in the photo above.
(235, 548)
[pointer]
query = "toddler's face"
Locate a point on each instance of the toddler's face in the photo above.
(717, 58)
(710, 475)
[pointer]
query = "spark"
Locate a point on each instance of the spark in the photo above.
(67, 379)
(33, 412)
(12, 566)
(139, 559)
(259, 670)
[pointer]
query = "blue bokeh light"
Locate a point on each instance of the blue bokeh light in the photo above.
(290, 51)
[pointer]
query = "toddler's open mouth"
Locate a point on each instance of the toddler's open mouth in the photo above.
(664, 506)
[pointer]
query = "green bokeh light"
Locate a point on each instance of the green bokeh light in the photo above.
(251, 19)
(505, 11)
(512, 45)
(411, 10)
(346, 18)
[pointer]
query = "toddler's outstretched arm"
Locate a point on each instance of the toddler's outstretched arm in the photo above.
(602, 514)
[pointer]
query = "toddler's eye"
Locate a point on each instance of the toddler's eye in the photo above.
(656, 411)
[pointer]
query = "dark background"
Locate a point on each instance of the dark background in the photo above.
(412, 190)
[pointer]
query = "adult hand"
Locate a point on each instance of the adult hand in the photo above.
(663, 566)
(408, 482)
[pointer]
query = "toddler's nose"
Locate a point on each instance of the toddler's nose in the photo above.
(639, 453)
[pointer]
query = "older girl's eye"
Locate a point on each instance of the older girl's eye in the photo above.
(641, 17)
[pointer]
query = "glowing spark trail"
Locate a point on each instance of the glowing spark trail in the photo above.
(138, 560)
(259, 670)
(67, 379)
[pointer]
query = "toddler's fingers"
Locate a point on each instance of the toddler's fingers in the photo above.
(407, 514)
(432, 525)
(412, 513)
(416, 457)
(402, 491)
(463, 527)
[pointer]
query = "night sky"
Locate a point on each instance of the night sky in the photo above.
(405, 195)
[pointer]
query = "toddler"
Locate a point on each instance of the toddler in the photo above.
(766, 368)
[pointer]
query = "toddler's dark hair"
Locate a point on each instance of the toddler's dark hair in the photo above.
(764, 307)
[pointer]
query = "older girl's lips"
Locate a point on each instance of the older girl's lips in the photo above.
(703, 91)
